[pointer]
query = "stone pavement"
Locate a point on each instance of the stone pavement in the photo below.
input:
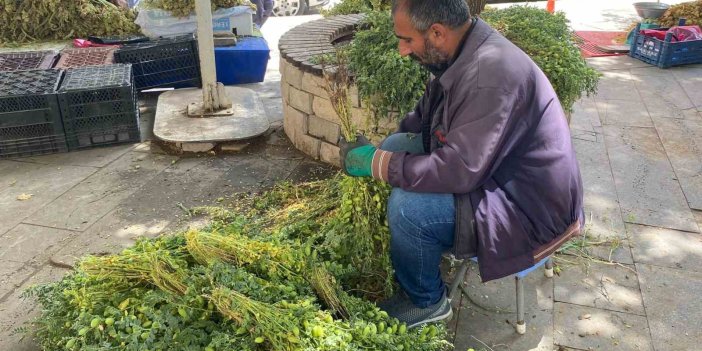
(638, 142)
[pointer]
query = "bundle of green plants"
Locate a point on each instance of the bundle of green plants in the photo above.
(34, 20)
(243, 283)
(690, 11)
(183, 8)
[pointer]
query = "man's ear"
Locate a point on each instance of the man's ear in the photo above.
(438, 32)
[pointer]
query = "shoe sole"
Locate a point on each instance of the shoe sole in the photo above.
(447, 316)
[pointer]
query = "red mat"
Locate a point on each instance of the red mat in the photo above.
(590, 42)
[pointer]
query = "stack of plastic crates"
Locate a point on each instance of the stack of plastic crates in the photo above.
(79, 57)
(163, 63)
(99, 106)
(30, 118)
(22, 61)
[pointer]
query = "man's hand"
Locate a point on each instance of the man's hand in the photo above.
(356, 157)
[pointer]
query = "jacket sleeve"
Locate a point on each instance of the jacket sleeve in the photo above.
(473, 148)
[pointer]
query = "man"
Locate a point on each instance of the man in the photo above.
(484, 165)
(264, 9)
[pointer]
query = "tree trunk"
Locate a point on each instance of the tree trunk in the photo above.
(476, 6)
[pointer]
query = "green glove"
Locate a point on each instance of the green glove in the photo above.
(356, 157)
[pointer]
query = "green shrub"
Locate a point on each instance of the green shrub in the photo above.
(547, 39)
(346, 7)
(389, 82)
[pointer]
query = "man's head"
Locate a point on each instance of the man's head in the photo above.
(430, 30)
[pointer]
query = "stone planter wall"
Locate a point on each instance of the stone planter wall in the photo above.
(309, 119)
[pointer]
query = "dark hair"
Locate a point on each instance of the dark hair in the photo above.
(424, 13)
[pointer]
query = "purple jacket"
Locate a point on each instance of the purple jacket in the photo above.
(500, 141)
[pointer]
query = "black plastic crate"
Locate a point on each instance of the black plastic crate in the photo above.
(29, 60)
(99, 106)
(163, 63)
(30, 117)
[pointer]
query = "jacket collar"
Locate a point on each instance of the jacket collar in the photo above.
(479, 33)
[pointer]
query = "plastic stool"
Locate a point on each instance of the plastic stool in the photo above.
(519, 284)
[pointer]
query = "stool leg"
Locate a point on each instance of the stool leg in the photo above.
(458, 279)
(521, 323)
(548, 271)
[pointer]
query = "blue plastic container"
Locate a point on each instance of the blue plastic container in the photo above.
(243, 63)
(665, 53)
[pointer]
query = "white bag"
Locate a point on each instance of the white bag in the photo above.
(156, 23)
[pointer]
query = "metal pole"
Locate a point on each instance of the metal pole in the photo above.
(210, 90)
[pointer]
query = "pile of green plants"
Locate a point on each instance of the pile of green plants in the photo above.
(690, 11)
(33, 20)
(281, 272)
(389, 82)
(183, 8)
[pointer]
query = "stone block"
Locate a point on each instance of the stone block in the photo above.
(623, 113)
(617, 85)
(285, 92)
(195, 147)
(360, 118)
(329, 153)
(293, 75)
(294, 123)
(323, 108)
(323, 129)
(301, 100)
(314, 84)
(307, 144)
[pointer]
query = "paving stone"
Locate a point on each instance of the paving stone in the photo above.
(98, 157)
(24, 249)
(587, 328)
(489, 314)
(672, 299)
(44, 182)
(584, 115)
(617, 85)
(690, 78)
(310, 170)
(599, 285)
(623, 113)
(666, 247)
(603, 220)
(682, 140)
(93, 198)
(615, 63)
(16, 312)
(646, 185)
(323, 129)
(662, 94)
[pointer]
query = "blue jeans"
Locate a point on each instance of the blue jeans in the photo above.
(421, 229)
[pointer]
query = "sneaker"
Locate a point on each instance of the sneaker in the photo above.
(401, 307)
